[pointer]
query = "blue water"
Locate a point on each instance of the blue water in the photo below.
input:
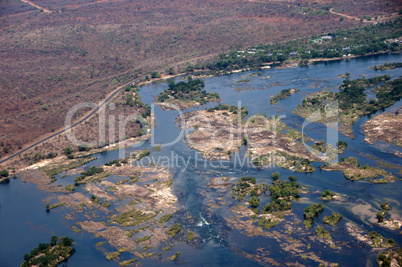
(24, 222)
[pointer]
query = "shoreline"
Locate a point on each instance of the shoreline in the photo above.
(284, 65)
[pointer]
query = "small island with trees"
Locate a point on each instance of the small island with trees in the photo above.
(352, 100)
(387, 66)
(50, 254)
(282, 95)
(185, 95)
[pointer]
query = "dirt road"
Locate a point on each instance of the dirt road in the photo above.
(35, 5)
(89, 115)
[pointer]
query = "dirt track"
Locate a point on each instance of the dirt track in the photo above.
(35, 5)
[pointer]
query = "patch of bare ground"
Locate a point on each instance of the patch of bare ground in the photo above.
(285, 241)
(175, 104)
(325, 241)
(34, 176)
(220, 133)
(156, 197)
(216, 134)
(386, 127)
(219, 182)
(97, 191)
(133, 222)
(393, 224)
(262, 256)
(358, 233)
(143, 173)
(145, 203)
(77, 201)
(267, 139)
(118, 125)
(39, 178)
(113, 234)
(247, 228)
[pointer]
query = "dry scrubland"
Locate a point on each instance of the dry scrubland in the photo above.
(83, 50)
(386, 127)
(136, 119)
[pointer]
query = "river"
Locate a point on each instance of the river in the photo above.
(24, 221)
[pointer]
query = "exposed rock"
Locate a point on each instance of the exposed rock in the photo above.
(386, 127)
(219, 182)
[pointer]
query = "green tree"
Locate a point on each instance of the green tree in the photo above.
(292, 178)
(254, 201)
(53, 240)
(4, 173)
(171, 71)
(381, 215)
(275, 176)
(68, 151)
(385, 206)
(155, 74)
(67, 242)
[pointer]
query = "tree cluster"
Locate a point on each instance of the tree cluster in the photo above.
(282, 193)
(50, 254)
(310, 213)
(90, 172)
(192, 90)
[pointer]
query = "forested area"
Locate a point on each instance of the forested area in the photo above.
(50, 254)
(358, 42)
(192, 90)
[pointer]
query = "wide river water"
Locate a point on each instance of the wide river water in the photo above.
(24, 222)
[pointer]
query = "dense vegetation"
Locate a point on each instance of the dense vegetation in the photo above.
(387, 66)
(267, 223)
(385, 258)
(378, 241)
(50, 254)
(282, 194)
(360, 41)
(352, 99)
(322, 233)
(327, 195)
(333, 219)
(282, 95)
(4, 173)
(232, 109)
(192, 90)
(382, 214)
(247, 185)
(294, 162)
(90, 172)
(310, 213)
(353, 170)
(117, 162)
(341, 146)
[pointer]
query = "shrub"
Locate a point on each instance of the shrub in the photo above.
(385, 206)
(254, 201)
(4, 173)
(68, 151)
(174, 229)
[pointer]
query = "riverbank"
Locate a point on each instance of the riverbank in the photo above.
(386, 127)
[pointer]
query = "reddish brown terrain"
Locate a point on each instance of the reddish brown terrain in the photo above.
(82, 50)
